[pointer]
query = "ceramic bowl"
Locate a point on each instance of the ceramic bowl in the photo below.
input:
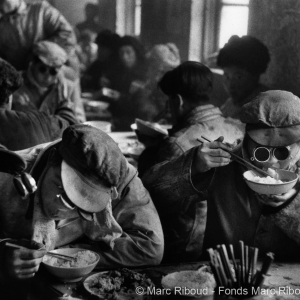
(150, 129)
(289, 180)
(69, 274)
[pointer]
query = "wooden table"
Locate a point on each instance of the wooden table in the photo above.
(282, 282)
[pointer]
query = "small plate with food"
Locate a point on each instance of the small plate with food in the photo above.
(108, 284)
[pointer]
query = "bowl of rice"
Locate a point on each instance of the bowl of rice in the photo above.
(71, 271)
(282, 183)
(196, 283)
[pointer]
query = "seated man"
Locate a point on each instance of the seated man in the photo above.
(82, 178)
(45, 87)
(21, 130)
(188, 87)
(203, 200)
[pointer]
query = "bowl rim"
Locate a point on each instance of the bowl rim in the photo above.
(151, 126)
(73, 268)
(272, 184)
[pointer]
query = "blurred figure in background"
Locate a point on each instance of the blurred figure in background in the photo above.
(91, 21)
(45, 88)
(128, 79)
(148, 102)
(94, 78)
(243, 60)
(189, 87)
(21, 130)
(86, 49)
(23, 24)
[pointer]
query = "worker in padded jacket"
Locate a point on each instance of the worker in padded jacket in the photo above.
(203, 200)
(21, 130)
(83, 178)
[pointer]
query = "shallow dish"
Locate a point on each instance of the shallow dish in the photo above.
(119, 283)
(69, 274)
(289, 180)
(150, 129)
(102, 125)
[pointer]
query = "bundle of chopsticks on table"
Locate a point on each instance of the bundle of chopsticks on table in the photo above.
(233, 272)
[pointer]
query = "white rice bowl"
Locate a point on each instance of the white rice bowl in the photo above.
(201, 282)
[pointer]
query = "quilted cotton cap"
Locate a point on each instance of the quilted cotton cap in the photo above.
(92, 167)
(273, 118)
(51, 54)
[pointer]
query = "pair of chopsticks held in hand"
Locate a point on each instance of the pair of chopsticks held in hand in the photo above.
(57, 255)
(239, 159)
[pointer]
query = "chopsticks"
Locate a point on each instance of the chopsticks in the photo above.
(62, 256)
(57, 255)
(63, 225)
(241, 160)
(242, 274)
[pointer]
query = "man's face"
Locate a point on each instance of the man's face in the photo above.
(239, 82)
(271, 157)
(44, 75)
(55, 203)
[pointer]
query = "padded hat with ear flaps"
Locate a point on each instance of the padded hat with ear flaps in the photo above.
(92, 165)
(273, 118)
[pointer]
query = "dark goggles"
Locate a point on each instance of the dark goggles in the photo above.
(263, 154)
(51, 70)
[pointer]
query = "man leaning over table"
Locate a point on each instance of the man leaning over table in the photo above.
(83, 176)
(227, 210)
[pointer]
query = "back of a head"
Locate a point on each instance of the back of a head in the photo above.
(246, 52)
(10, 81)
(108, 39)
(166, 56)
(192, 80)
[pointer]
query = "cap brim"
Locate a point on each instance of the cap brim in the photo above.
(275, 136)
(49, 64)
(87, 194)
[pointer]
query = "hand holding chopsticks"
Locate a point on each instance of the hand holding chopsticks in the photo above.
(240, 160)
(240, 274)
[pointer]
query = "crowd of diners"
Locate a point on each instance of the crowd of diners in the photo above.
(184, 197)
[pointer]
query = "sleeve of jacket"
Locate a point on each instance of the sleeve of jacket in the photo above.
(170, 183)
(287, 219)
(57, 28)
(169, 150)
(142, 240)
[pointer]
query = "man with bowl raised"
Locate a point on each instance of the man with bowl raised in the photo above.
(227, 209)
(87, 194)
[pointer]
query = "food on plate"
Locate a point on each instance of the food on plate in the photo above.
(81, 259)
(199, 279)
(123, 280)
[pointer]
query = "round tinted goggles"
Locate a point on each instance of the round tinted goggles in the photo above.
(263, 154)
(50, 70)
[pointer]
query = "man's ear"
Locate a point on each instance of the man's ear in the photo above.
(180, 100)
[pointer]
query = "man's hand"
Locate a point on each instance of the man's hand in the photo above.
(211, 155)
(277, 200)
(23, 263)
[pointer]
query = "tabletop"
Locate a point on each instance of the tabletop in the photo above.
(282, 282)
